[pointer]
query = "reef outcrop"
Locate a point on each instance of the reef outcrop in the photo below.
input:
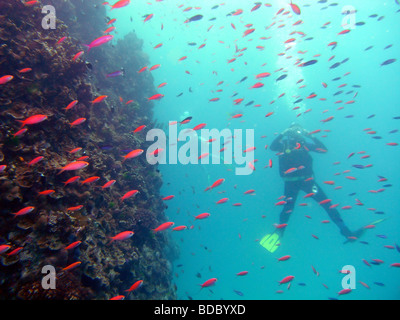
(76, 211)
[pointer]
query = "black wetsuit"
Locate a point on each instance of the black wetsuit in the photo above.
(296, 154)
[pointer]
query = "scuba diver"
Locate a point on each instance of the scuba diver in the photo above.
(295, 167)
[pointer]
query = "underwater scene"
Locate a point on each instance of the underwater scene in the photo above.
(199, 150)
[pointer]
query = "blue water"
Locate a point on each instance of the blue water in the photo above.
(227, 242)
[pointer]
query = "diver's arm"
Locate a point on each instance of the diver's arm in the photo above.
(317, 144)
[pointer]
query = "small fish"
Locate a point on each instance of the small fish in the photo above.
(4, 248)
(286, 279)
(72, 266)
(77, 55)
(209, 282)
(295, 8)
(385, 63)
(115, 74)
(119, 4)
(163, 226)
(99, 99)
(76, 165)
(77, 122)
(194, 18)
(129, 194)
(281, 77)
(133, 154)
(73, 245)
(33, 120)
(108, 184)
(308, 63)
(157, 96)
(23, 211)
(135, 286)
(239, 293)
(76, 208)
(202, 215)
(99, 41)
(122, 236)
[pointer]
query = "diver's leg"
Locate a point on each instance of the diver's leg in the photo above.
(291, 191)
(333, 214)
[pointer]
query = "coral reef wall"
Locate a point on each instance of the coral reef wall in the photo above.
(76, 211)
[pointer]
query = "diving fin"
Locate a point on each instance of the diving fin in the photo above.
(270, 242)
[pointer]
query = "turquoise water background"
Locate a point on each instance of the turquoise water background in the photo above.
(227, 242)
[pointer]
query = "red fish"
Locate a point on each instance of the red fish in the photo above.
(46, 192)
(25, 70)
(295, 8)
(99, 41)
(61, 40)
(284, 258)
(163, 226)
(286, 279)
(157, 96)
(73, 245)
(90, 180)
(75, 208)
(33, 120)
(257, 85)
(75, 150)
(202, 215)
(325, 201)
(77, 122)
(135, 286)
(140, 128)
(148, 17)
(23, 211)
(120, 4)
(217, 183)
(199, 126)
(209, 282)
(263, 75)
(242, 273)
(71, 180)
(122, 236)
(5, 79)
(129, 194)
(76, 165)
(15, 251)
(99, 99)
(20, 132)
(344, 291)
(223, 200)
(108, 184)
(77, 55)
(72, 266)
(156, 66)
(133, 154)
(168, 197)
(4, 248)
(179, 228)
(36, 160)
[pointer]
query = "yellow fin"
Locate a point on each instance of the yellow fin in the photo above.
(270, 242)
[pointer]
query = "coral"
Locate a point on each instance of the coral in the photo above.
(55, 80)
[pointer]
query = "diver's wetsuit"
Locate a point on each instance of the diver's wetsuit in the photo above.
(295, 154)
